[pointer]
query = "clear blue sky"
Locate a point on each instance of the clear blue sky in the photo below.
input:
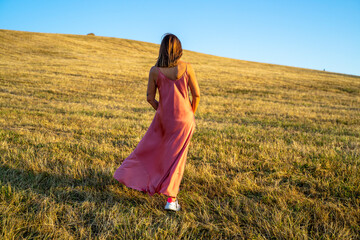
(314, 34)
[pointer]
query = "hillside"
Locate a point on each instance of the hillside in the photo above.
(275, 153)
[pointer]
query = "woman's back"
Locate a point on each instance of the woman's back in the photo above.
(174, 102)
(175, 72)
(182, 69)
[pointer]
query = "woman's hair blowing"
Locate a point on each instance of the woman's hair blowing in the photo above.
(170, 51)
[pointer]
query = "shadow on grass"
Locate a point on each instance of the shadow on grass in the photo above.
(95, 186)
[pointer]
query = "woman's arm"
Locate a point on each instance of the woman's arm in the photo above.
(151, 89)
(194, 88)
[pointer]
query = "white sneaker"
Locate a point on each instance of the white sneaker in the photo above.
(173, 206)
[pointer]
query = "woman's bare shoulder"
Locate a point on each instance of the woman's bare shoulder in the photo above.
(190, 68)
(185, 64)
(153, 71)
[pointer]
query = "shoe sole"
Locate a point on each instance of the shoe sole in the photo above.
(168, 209)
(171, 210)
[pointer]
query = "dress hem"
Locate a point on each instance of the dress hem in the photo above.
(144, 191)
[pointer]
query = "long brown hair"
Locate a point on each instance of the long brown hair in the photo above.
(170, 51)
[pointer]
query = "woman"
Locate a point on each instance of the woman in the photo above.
(157, 163)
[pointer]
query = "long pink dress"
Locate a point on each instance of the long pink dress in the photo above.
(157, 163)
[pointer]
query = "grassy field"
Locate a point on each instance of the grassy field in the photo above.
(275, 153)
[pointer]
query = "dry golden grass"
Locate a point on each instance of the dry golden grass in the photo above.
(275, 153)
